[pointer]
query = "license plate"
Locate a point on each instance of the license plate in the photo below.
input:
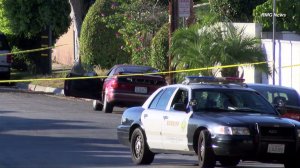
(276, 148)
(140, 89)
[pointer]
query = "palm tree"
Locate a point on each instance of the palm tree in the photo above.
(207, 46)
(194, 48)
(237, 48)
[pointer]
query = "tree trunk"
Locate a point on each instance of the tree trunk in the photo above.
(192, 18)
(79, 9)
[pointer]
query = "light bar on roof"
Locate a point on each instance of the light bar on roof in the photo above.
(211, 79)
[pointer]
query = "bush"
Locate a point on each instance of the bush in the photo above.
(100, 44)
(159, 48)
(20, 61)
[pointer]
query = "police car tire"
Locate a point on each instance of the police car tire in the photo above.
(206, 155)
(140, 153)
(107, 107)
(229, 162)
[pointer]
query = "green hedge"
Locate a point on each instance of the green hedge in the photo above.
(160, 48)
(101, 44)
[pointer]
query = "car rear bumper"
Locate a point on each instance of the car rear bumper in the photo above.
(127, 99)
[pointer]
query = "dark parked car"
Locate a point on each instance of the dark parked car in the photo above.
(83, 88)
(285, 98)
(218, 122)
(123, 86)
(5, 60)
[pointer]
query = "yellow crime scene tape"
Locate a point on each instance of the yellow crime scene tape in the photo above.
(156, 73)
(124, 75)
(290, 66)
(33, 50)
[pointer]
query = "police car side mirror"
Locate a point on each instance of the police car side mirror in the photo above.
(179, 107)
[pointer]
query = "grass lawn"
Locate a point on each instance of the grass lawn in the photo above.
(16, 75)
(58, 71)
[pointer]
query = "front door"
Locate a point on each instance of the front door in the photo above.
(175, 123)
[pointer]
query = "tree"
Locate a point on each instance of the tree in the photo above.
(160, 49)
(79, 10)
(237, 48)
(141, 19)
(288, 15)
(207, 46)
(100, 42)
(235, 10)
(194, 49)
(29, 18)
(25, 21)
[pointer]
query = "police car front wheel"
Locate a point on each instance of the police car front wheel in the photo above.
(140, 152)
(206, 155)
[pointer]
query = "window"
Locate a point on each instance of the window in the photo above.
(111, 72)
(229, 100)
(270, 93)
(156, 99)
(162, 98)
(181, 97)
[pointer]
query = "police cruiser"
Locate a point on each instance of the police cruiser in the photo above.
(214, 119)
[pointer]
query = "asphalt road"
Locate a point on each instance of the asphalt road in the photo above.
(46, 131)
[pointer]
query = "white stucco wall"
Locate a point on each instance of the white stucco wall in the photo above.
(287, 58)
(287, 62)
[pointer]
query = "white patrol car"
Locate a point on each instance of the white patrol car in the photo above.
(214, 119)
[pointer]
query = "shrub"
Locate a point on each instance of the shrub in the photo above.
(100, 44)
(159, 48)
(20, 61)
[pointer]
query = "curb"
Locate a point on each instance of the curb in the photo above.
(42, 89)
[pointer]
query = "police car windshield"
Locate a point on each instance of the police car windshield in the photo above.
(218, 100)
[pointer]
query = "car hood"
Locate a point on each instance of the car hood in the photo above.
(235, 118)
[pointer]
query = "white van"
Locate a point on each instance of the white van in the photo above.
(5, 59)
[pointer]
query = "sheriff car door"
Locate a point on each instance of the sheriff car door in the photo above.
(152, 118)
(175, 123)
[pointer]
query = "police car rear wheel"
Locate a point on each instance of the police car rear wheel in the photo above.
(140, 152)
(206, 155)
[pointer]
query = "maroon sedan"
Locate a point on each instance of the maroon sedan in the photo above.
(125, 86)
(128, 85)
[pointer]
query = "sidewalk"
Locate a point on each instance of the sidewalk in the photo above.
(40, 89)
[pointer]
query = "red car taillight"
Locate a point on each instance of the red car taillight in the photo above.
(114, 83)
(120, 85)
(9, 58)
